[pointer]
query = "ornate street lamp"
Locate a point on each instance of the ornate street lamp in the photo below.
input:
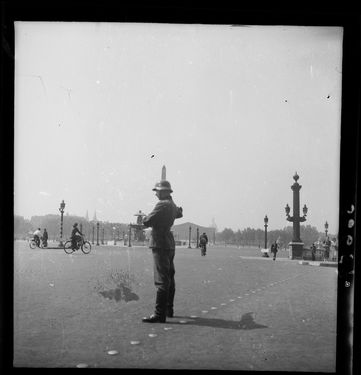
(98, 233)
(326, 228)
(115, 242)
(197, 238)
(265, 231)
(189, 244)
(93, 234)
(61, 209)
(130, 235)
(296, 219)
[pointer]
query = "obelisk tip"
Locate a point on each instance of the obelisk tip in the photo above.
(164, 177)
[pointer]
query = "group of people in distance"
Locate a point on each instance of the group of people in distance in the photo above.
(326, 247)
(41, 237)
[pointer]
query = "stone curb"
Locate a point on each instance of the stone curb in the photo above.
(320, 264)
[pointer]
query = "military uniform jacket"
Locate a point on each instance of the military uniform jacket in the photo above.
(161, 219)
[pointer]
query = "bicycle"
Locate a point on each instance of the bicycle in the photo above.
(82, 244)
(203, 249)
(33, 244)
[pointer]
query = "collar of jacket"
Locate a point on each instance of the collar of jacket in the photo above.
(166, 198)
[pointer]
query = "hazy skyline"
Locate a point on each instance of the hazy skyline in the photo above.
(232, 112)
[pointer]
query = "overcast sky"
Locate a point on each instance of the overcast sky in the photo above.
(233, 113)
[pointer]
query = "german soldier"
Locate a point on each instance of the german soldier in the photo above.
(162, 243)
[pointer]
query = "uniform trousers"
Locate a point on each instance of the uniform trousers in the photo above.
(164, 280)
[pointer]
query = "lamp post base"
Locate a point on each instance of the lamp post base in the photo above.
(296, 250)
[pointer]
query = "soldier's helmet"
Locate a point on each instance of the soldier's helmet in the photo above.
(163, 185)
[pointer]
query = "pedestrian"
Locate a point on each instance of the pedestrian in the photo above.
(313, 251)
(203, 240)
(274, 249)
(45, 238)
(334, 249)
(37, 237)
(162, 243)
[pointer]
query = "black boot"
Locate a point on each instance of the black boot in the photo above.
(161, 303)
(170, 300)
(160, 308)
(154, 319)
(170, 312)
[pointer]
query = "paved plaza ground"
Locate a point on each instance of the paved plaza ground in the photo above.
(234, 310)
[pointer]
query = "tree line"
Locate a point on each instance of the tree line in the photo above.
(23, 228)
(256, 237)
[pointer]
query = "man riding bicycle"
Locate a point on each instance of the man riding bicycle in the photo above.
(75, 236)
(203, 240)
(37, 237)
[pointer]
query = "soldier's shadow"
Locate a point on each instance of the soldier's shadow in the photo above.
(246, 322)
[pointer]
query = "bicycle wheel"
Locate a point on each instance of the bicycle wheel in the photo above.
(32, 244)
(68, 247)
(86, 248)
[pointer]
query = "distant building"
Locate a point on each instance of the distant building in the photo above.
(181, 232)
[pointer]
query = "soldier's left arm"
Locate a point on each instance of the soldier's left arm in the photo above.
(179, 213)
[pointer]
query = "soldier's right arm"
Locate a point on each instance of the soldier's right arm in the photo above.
(152, 218)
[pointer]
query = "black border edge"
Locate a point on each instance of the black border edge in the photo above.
(348, 344)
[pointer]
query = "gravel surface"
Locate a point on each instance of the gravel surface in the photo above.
(234, 310)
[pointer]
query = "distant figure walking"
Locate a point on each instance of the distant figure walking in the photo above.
(203, 240)
(313, 252)
(162, 243)
(45, 238)
(274, 249)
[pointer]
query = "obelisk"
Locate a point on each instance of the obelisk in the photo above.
(163, 173)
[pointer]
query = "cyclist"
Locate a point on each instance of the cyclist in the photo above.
(75, 234)
(203, 240)
(37, 237)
